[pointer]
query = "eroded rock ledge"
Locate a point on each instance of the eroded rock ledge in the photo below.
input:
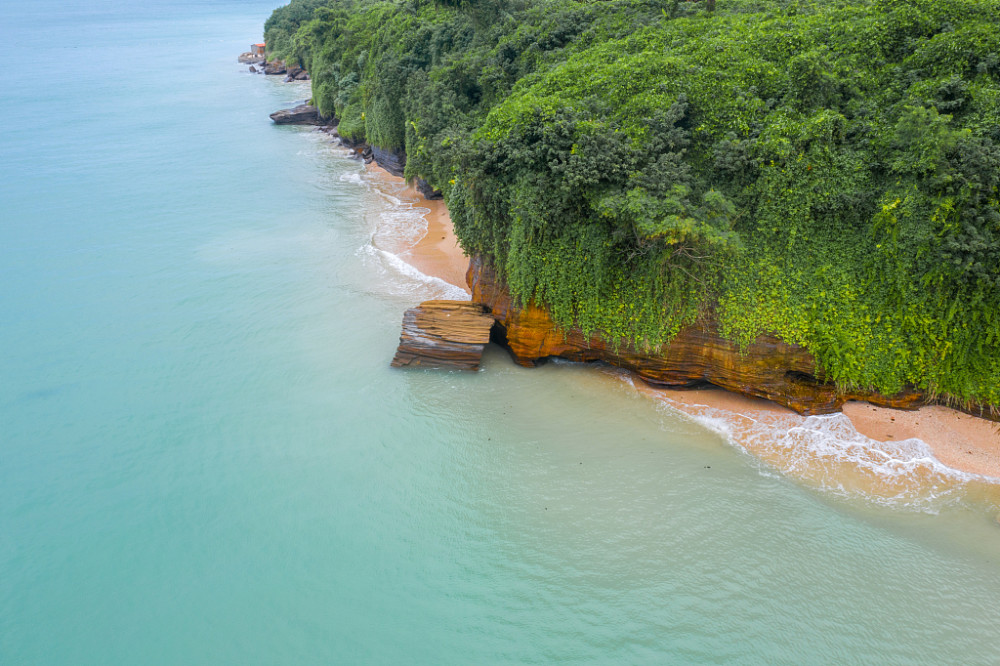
(770, 368)
(443, 334)
(303, 114)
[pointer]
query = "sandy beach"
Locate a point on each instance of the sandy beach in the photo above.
(960, 441)
(964, 442)
(438, 253)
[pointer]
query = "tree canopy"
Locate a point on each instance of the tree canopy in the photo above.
(827, 171)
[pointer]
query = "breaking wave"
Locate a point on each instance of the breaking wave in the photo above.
(397, 223)
(827, 453)
(415, 283)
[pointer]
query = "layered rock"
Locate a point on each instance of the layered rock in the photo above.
(443, 334)
(303, 114)
(698, 356)
(389, 160)
(392, 162)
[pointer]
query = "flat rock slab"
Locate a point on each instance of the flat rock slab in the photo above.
(443, 334)
(303, 114)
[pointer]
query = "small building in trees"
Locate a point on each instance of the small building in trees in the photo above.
(257, 49)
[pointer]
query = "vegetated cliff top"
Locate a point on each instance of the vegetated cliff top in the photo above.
(825, 171)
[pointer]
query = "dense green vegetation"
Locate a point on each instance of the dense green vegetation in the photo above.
(828, 171)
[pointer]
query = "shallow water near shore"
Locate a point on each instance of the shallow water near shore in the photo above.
(205, 458)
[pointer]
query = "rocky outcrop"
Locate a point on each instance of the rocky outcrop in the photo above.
(425, 189)
(769, 368)
(249, 58)
(274, 68)
(392, 162)
(443, 334)
(296, 74)
(303, 114)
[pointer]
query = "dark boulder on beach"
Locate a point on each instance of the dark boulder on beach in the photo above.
(253, 70)
(303, 114)
(274, 68)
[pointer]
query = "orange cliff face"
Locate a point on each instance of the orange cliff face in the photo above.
(769, 368)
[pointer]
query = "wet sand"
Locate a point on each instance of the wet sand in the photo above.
(960, 441)
(964, 442)
(438, 253)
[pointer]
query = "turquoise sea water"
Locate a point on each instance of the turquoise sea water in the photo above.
(204, 457)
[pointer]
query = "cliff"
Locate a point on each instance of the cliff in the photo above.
(768, 368)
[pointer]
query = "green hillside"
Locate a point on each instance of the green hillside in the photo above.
(826, 171)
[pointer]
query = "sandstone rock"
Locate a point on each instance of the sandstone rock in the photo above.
(302, 76)
(293, 71)
(250, 59)
(443, 334)
(770, 368)
(303, 114)
(253, 70)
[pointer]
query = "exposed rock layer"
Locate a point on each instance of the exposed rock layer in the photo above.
(443, 334)
(769, 368)
(392, 162)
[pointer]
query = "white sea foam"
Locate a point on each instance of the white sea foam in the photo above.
(351, 177)
(414, 282)
(397, 227)
(828, 453)
(400, 227)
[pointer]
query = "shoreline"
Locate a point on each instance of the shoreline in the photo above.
(437, 253)
(958, 441)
